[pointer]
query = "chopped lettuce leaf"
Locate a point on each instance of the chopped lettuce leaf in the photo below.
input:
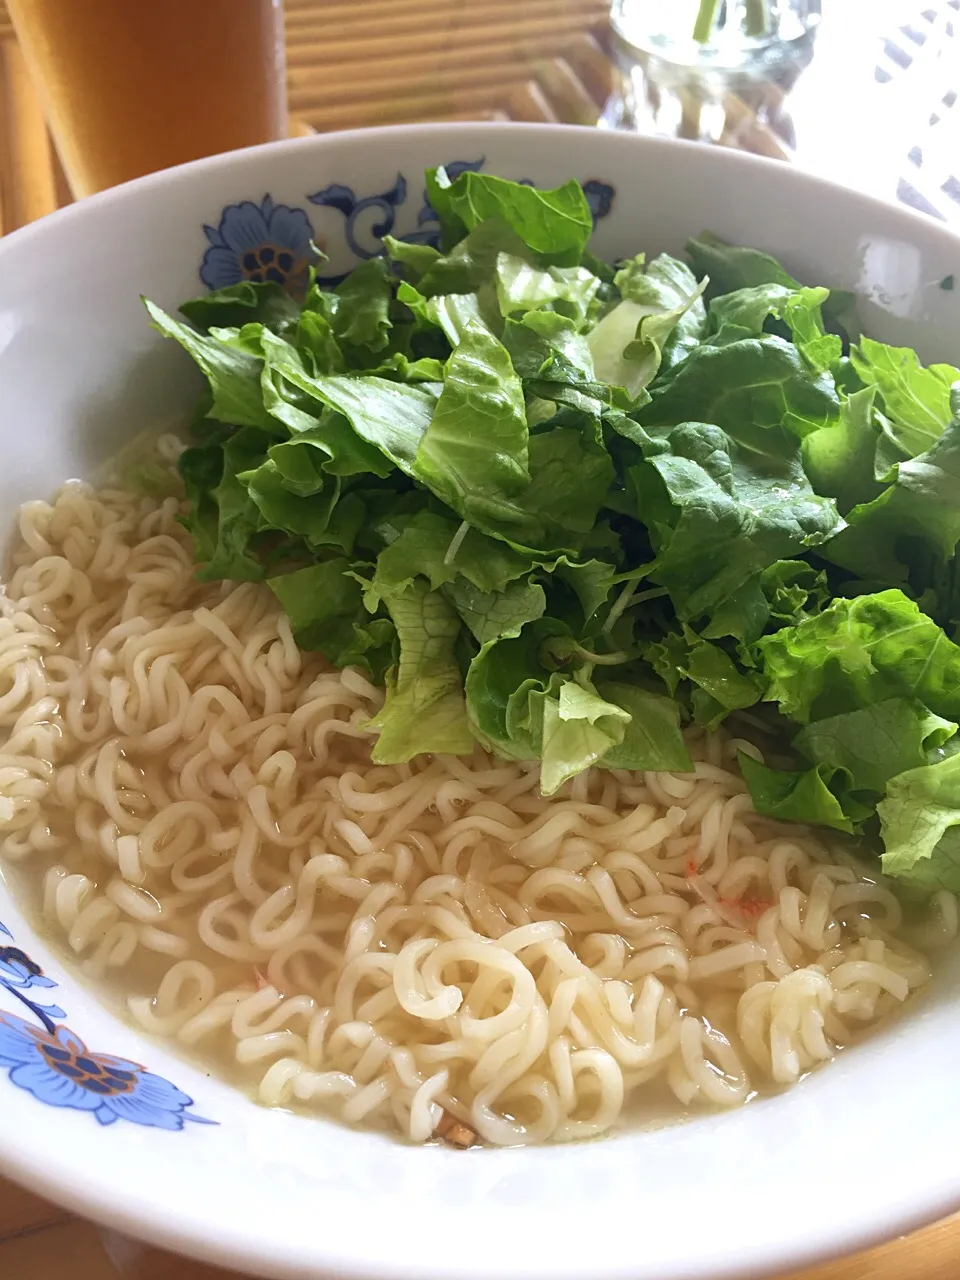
(526, 488)
(436, 547)
(919, 816)
(745, 312)
(472, 264)
(498, 684)
(451, 313)
(661, 300)
(546, 346)
(858, 652)
(652, 739)
(363, 316)
(523, 287)
(732, 267)
(391, 416)
(556, 224)
(759, 390)
(424, 709)
(590, 580)
(238, 517)
(921, 505)
(798, 797)
(325, 606)
(292, 495)
(233, 374)
(496, 615)
(416, 259)
(266, 303)
(873, 744)
(578, 729)
(916, 400)
(475, 449)
(718, 515)
(719, 686)
(841, 459)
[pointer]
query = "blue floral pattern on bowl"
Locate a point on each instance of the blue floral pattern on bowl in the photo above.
(383, 207)
(53, 1063)
(599, 197)
(264, 241)
(269, 241)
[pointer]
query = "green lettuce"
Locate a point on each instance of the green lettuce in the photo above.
(268, 304)
(915, 399)
(652, 739)
(424, 708)
(758, 390)
(556, 224)
(841, 460)
(524, 287)
(576, 729)
(718, 515)
(565, 507)
(732, 267)
(475, 448)
(495, 615)
(919, 816)
(920, 507)
(801, 796)
(745, 313)
(362, 318)
(858, 652)
(233, 374)
(324, 603)
(661, 303)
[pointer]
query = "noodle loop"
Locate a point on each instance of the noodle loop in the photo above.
(430, 946)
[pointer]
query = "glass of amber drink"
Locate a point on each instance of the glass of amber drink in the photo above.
(131, 86)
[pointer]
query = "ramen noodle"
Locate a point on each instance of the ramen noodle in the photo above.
(433, 947)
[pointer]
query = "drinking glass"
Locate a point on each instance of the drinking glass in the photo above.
(716, 35)
(131, 86)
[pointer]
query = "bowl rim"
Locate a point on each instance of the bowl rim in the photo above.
(133, 1215)
(88, 206)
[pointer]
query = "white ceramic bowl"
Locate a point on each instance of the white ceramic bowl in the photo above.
(865, 1148)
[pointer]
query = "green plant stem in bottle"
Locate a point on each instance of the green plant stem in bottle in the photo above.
(706, 15)
(756, 19)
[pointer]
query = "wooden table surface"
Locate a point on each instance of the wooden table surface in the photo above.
(357, 63)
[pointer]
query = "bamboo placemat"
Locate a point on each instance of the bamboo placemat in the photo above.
(361, 63)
